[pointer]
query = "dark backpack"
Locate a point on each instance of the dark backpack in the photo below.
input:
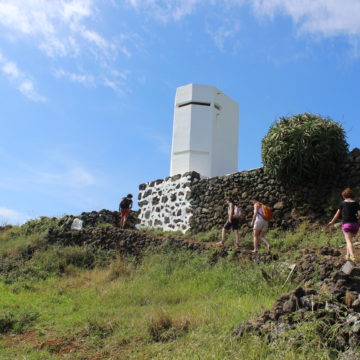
(125, 203)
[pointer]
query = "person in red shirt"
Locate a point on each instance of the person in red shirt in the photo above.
(124, 209)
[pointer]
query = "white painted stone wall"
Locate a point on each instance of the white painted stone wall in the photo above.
(165, 204)
(205, 132)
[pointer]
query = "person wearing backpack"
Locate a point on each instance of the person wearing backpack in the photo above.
(349, 210)
(124, 209)
(260, 223)
(232, 223)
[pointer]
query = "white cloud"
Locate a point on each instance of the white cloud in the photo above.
(62, 29)
(115, 81)
(81, 78)
(73, 177)
(168, 10)
(54, 24)
(19, 79)
(326, 17)
(224, 32)
(9, 216)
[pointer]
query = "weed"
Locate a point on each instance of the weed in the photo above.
(119, 267)
(16, 322)
(162, 327)
(160, 232)
(209, 236)
(99, 328)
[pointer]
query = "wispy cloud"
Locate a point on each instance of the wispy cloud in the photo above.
(19, 79)
(168, 10)
(325, 17)
(55, 169)
(64, 29)
(73, 177)
(56, 25)
(114, 80)
(321, 17)
(224, 32)
(81, 78)
(10, 216)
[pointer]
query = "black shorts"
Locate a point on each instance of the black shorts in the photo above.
(234, 224)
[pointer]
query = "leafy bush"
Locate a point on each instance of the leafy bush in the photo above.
(304, 148)
(51, 260)
(16, 322)
(37, 226)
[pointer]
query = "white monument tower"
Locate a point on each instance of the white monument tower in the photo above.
(205, 132)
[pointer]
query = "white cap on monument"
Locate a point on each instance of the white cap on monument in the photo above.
(205, 132)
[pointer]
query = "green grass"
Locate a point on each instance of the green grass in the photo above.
(198, 300)
(174, 305)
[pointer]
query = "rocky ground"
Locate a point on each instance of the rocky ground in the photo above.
(330, 294)
(328, 291)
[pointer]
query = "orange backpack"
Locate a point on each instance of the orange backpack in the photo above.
(266, 212)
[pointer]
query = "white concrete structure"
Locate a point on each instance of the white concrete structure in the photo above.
(205, 132)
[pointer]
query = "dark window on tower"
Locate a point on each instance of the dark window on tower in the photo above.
(194, 103)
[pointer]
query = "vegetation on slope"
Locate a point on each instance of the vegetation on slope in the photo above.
(82, 303)
(304, 148)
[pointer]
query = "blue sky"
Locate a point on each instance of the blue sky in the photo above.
(87, 87)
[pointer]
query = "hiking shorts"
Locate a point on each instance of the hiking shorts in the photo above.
(261, 225)
(124, 213)
(350, 228)
(234, 224)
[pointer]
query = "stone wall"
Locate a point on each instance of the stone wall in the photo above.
(127, 242)
(95, 218)
(313, 202)
(189, 203)
(165, 204)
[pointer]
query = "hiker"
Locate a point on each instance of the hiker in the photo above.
(124, 208)
(232, 223)
(259, 224)
(349, 209)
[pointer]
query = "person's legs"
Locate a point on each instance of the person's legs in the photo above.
(262, 236)
(223, 236)
(256, 239)
(237, 241)
(126, 215)
(226, 227)
(349, 248)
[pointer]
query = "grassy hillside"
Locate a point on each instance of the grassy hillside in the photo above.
(84, 303)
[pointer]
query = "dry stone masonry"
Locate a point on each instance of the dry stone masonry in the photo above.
(330, 297)
(190, 203)
(165, 204)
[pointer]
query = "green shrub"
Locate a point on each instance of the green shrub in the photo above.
(213, 235)
(39, 225)
(56, 259)
(16, 322)
(51, 260)
(304, 148)
(120, 267)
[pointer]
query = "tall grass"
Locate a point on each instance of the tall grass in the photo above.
(174, 305)
(175, 298)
